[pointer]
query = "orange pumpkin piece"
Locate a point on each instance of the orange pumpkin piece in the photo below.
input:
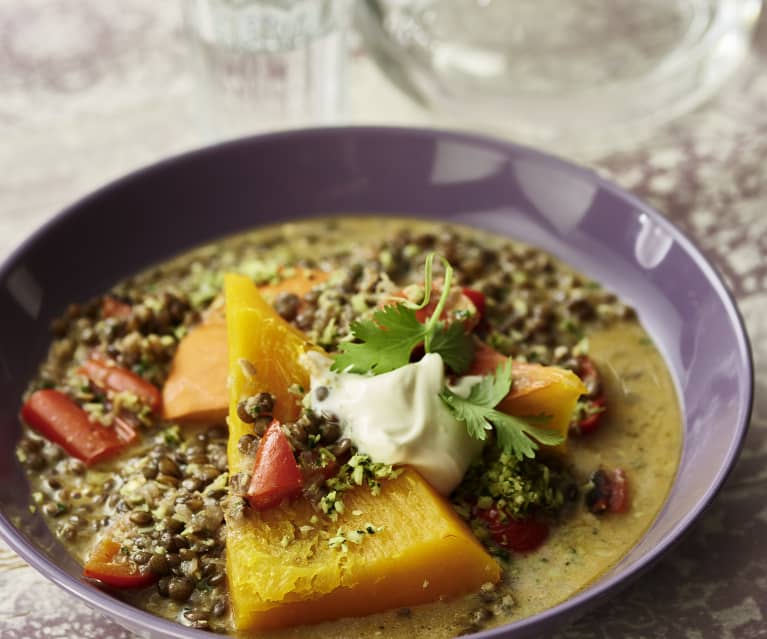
(196, 386)
(535, 389)
(281, 566)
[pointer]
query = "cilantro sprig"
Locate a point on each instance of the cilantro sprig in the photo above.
(386, 341)
(515, 436)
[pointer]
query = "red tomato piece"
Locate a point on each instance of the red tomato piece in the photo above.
(112, 307)
(459, 304)
(276, 475)
(593, 418)
(478, 299)
(57, 418)
(118, 379)
(110, 566)
(518, 535)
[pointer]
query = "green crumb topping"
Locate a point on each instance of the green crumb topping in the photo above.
(356, 536)
(517, 487)
(360, 470)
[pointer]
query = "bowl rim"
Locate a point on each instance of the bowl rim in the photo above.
(592, 595)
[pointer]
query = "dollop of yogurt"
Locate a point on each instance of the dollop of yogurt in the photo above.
(398, 417)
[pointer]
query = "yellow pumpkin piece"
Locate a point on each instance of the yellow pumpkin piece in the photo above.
(264, 351)
(281, 567)
(280, 575)
(548, 390)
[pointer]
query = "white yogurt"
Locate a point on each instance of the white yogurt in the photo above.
(398, 417)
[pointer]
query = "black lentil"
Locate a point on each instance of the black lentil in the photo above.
(158, 564)
(141, 518)
(287, 305)
(179, 588)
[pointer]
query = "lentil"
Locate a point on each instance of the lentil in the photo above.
(141, 518)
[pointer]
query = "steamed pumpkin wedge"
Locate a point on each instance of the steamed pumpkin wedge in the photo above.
(282, 565)
(280, 575)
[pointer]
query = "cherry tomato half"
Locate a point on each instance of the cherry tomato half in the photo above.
(518, 535)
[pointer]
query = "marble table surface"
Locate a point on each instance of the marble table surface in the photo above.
(90, 89)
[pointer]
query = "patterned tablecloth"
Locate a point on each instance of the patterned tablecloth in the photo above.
(90, 89)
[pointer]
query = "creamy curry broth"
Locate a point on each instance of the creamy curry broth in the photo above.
(641, 432)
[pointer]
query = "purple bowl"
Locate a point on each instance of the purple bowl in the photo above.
(599, 229)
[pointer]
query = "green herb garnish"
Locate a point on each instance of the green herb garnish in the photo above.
(386, 341)
(515, 436)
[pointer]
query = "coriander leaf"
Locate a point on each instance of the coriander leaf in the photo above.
(470, 414)
(492, 389)
(386, 342)
(455, 346)
(515, 436)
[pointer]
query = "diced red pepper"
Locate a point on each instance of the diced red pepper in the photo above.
(589, 374)
(112, 307)
(276, 475)
(518, 535)
(57, 418)
(110, 566)
(619, 493)
(118, 379)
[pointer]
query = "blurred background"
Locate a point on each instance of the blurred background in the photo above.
(90, 89)
(666, 97)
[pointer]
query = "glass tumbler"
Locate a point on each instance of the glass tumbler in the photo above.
(267, 64)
